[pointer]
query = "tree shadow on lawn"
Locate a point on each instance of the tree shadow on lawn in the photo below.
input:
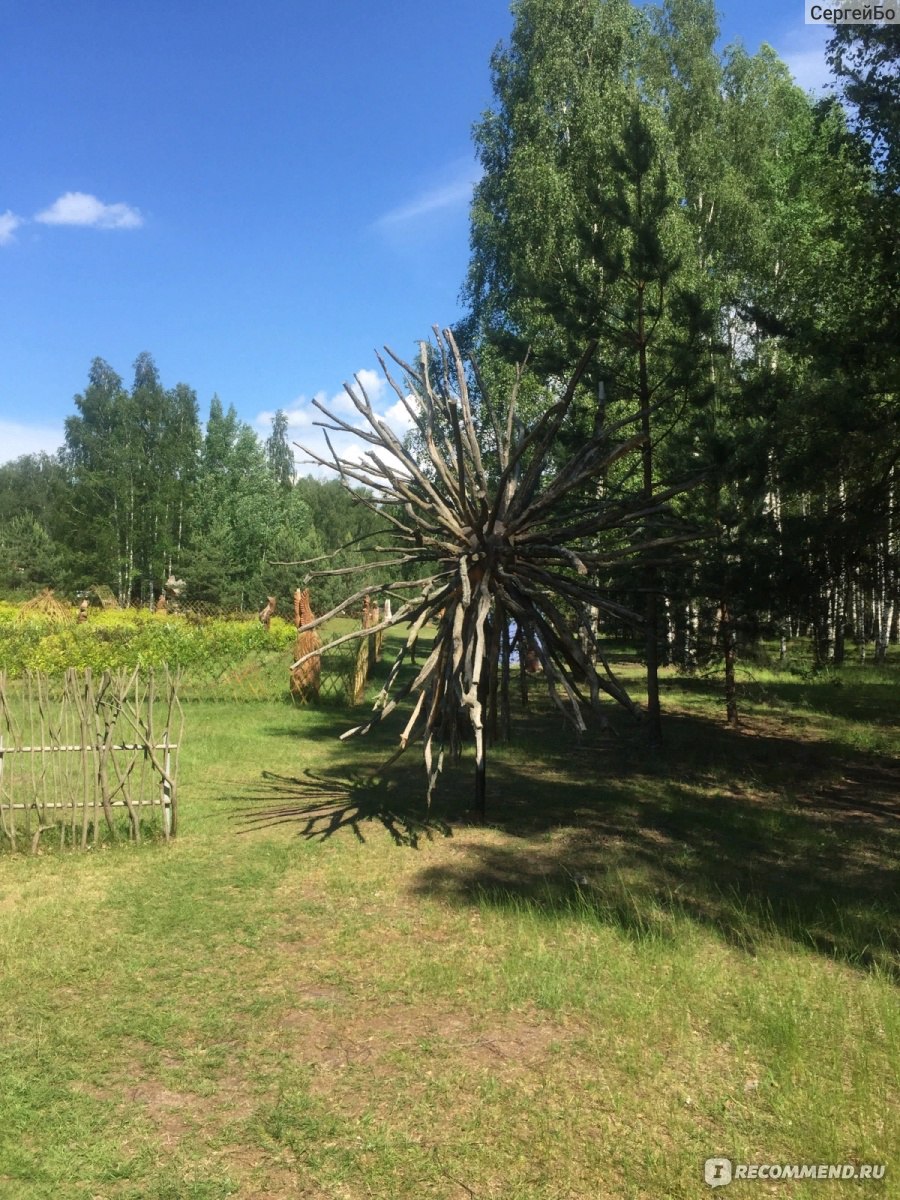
(753, 833)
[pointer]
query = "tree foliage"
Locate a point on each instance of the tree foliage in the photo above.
(732, 245)
(142, 491)
(727, 242)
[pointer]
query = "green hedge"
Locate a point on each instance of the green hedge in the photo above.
(113, 640)
(219, 658)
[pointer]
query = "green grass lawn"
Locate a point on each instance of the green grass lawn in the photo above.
(640, 963)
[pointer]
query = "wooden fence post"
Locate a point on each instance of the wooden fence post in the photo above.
(167, 788)
(9, 830)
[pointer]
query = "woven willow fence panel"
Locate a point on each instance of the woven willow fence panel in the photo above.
(85, 757)
(341, 675)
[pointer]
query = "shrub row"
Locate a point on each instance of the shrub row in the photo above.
(129, 638)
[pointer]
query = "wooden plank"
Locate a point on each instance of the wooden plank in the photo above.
(21, 807)
(89, 749)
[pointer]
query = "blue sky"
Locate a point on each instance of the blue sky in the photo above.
(256, 193)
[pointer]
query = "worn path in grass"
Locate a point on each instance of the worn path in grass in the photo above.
(638, 965)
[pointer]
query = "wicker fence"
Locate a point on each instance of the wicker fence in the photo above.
(85, 758)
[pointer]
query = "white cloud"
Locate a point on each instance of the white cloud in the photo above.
(302, 416)
(17, 439)
(80, 208)
(357, 452)
(809, 69)
(341, 404)
(453, 193)
(397, 417)
(297, 416)
(9, 223)
(803, 50)
(449, 196)
(373, 382)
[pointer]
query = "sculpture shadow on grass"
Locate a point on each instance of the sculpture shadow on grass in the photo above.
(753, 834)
(323, 804)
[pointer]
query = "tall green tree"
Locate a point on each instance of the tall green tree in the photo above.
(32, 499)
(562, 90)
(246, 521)
(167, 438)
(279, 454)
(580, 229)
(131, 456)
(837, 427)
(100, 455)
(29, 558)
(758, 127)
(32, 484)
(864, 59)
(714, 245)
(651, 329)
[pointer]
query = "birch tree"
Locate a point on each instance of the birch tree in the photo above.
(576, 232)
(131, 456)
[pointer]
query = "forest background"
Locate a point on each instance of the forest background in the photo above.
(730, 244)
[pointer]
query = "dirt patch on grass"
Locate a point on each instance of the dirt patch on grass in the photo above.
(169, 1112)
(161, 1103)
(176, 1115)
(506, 1046)
(268, 1182)
(11, 899)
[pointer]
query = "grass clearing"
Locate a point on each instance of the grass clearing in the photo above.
(639, 964)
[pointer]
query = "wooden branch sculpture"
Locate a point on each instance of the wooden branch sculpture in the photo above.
(498, 538)
(265, 614)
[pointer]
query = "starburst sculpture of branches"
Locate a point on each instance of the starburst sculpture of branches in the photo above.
(499, 540)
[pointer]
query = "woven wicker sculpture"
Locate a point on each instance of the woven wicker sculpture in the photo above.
(307, 670)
